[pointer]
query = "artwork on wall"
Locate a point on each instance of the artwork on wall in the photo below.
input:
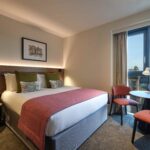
(34, 50)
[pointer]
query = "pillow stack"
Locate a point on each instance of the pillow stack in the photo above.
(30, 82)
(24, 77)
(51, 76)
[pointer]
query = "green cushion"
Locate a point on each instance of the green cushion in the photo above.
(26, 77)
(51, 76)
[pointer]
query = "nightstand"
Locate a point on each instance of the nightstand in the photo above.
(2, 120)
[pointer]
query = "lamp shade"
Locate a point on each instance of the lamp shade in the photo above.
(146, 72)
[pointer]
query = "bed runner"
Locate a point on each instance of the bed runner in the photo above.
(36, 112)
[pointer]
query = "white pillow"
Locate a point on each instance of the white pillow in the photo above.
(11, 82)
(41, 78)
(56, 83)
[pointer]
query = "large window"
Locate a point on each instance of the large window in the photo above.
(138, 57)
(135, 51)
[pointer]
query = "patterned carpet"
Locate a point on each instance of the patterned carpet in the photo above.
(111, 136)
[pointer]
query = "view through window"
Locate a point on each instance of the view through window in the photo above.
(135, 50)
(137, 58)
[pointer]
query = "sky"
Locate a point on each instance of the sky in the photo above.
(135, 45)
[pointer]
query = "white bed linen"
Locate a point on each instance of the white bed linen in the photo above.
(62, 119)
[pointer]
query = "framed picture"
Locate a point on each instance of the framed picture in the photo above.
(34, 50)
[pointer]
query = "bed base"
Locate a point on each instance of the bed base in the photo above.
(70, 139)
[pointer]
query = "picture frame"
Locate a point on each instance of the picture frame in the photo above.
(34, 50)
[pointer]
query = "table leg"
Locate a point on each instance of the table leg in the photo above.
(144, 127)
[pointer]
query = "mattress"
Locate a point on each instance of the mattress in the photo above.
(62, 119)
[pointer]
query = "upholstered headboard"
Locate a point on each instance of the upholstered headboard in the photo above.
(12, 69)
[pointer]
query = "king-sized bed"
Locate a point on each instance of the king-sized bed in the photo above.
(65, 130)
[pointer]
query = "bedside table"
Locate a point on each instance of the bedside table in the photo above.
(2, 120)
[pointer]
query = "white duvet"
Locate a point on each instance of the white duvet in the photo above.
(62, 119)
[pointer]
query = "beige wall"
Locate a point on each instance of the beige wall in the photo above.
(10, 44)
(88, 55)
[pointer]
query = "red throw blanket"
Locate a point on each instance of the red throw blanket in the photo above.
(36, 112)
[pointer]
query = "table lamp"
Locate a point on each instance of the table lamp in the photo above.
(146, 72)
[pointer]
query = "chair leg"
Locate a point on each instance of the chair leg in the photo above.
(137, 108)
(134, 130)
(110, 108)
(125, 109)
(115, 108)
(121, 109)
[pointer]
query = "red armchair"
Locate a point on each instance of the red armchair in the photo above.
(119, 94)
(144, 116)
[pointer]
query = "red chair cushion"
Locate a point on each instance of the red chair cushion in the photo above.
(121, 101)
(125, 101)
(143, 115)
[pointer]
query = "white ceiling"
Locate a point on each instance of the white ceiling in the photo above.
(67, 17)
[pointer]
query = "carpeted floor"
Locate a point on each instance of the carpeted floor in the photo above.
(111, 136)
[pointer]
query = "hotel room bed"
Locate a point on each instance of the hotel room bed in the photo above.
(66, 129)
(60, 120)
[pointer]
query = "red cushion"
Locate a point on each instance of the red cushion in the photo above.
(143, 115)
(121, 101)
(125, 101)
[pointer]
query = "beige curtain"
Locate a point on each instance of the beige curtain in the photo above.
(120, 58)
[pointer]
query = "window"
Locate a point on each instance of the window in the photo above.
(138, 57)
(135, 52)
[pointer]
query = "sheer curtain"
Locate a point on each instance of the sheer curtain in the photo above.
(120, 58)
